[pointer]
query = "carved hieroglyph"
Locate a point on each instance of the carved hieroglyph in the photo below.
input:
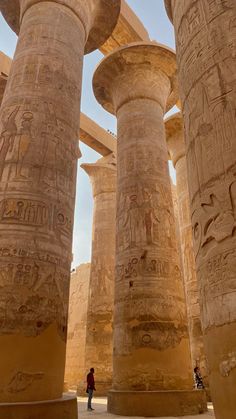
(77, 325)
(206, 52)
(99, 345)
(176, 147)
(151, 344)
(38, 157)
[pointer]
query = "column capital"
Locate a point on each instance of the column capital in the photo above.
(175, 137)
(102, 174)
(168, 6)
(141, 70)
(99, 17)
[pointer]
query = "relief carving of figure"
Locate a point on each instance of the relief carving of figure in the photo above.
(25, 139)
(133, 221)
(149, 217)
(7, 137)
(214, 220)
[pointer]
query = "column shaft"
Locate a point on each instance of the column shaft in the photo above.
(99, 344)
(38, 157)
(191, 285)
(150, 328)
(151, 361)
(206, 52)
(176, 147)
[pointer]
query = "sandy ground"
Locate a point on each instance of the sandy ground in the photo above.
(100, 412)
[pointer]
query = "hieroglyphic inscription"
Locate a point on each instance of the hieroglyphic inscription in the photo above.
(33, 148)
(218, 289)
(40, 298)
(142, 220)
(29, 212)
(206, 45)
(148, 267)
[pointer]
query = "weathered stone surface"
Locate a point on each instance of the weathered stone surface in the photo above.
(128, 29)
(176, 147)
(66, 407)
(99, 344)
(98, 17)
(90, 133)
(206, 52)
(95, 136)
(151, 344)
(177, 227)
(39, 122)
(77, 326)
(5, 65)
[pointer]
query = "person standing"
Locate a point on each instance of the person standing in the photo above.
(90, 388)
(198, 379)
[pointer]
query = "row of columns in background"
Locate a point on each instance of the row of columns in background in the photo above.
(95, 315)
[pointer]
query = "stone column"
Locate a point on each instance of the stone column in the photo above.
(151, 362)
(99, 345)
(77, 325)
(206, 54)
(38, 158)
(176, 147)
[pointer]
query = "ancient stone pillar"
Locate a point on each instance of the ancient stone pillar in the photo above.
(77, 325)
(151, 362)
(176, 147)
(38, 157)
(206, 54)
(99, 345)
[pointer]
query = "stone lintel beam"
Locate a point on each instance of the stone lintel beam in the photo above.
(175, 141)
(95, 136)
(128, 29)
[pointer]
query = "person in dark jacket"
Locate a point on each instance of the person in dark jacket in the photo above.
(90, 387)
(198, 378)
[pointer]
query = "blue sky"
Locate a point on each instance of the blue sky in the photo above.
(153, 15)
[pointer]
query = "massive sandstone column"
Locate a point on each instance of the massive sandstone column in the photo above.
(38, 157)
(99, 345)
(176, 147)
(206, 52)
(77, 325)
(151, 359)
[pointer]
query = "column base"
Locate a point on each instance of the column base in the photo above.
(66, 407)
(157, 403)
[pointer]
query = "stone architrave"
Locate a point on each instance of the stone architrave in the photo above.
(99, 344)
(206, 54)
(176, 147)
(77, 325)
(39, 122)
(152, 374)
